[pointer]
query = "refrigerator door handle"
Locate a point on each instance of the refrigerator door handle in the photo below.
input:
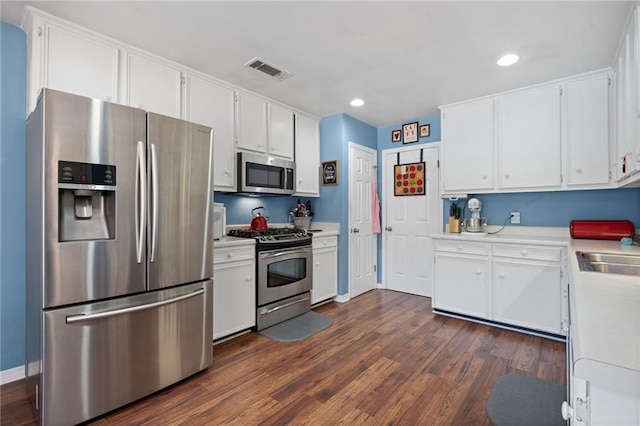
(71, 319)
(140, 200)
(154, 200)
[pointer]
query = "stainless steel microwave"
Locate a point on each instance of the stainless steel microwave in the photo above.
(264, 174)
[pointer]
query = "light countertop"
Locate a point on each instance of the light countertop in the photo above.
(605, 309)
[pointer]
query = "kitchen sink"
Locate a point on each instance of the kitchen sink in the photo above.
(609, 263)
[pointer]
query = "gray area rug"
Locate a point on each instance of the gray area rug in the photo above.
(521, 400)
(298, 328)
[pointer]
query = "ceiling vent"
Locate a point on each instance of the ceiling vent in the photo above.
(270, 70)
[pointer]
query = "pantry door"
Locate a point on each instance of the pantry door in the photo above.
(362, 241)
(407, 222)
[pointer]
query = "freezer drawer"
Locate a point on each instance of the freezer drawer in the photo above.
(101, 356)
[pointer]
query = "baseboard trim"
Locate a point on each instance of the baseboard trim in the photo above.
(11, 375)
(341, 298)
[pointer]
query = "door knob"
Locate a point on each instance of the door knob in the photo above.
(388, 228)
(356, 230)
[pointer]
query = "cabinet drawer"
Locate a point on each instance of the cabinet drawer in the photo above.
(527, 252)
(233, 254)
(462, 247)
(324, 242)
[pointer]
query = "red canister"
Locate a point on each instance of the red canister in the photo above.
(601, 229)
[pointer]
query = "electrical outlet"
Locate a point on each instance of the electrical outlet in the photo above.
(515, 217)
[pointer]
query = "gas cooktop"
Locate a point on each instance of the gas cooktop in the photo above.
(270, 234)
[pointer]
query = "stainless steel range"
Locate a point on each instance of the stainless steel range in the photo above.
(284, 270)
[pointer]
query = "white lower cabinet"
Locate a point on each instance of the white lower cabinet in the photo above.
(234, 290)
(513, 284)
(528, 295)
(462, 284)
(325, 268)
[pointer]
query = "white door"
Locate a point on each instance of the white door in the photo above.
(407, 222)
(362, 240)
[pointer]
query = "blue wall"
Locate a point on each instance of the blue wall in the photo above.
(13, 73)
(276, 208)
(560, 207)
(336, 132)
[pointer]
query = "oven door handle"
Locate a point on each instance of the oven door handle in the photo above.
(265, 311)
(285, 252)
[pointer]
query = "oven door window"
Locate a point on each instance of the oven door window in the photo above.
(286, 271)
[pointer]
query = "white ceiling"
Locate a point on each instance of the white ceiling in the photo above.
(403, 58)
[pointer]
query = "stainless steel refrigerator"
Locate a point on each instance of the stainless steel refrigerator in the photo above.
(119, 255)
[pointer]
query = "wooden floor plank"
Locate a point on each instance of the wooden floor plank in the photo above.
(387, 359)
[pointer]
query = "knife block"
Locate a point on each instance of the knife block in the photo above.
(454, 225)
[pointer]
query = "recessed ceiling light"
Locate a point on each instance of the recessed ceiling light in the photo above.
(507, 60)
(357, 102)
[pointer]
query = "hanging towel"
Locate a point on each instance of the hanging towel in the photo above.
(375, 208)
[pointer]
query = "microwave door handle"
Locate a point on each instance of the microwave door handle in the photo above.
(140, 200)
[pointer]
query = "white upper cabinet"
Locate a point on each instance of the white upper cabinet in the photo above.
(252, 123)
(152, 85)
(587, 131)
(552, 136)
(280, 132)
(529, 139)
(65, 59)
(468, 152)
(307, 156)
(627, 106)
(213, 105)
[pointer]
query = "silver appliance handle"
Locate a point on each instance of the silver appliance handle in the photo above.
(140, 200)
(264, 311)
(71, 319)
(284, 252)
(154, 200)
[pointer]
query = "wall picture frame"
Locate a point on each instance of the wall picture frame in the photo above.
(410, 132)
(425, 130)
(329, 172)
(396, 135)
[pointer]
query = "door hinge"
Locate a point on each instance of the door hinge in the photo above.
(561, 91)
(561, 274)
(609, 80)
(39, 31)
(375, 268)
(561, 179)
(183, 80)
(438, 163)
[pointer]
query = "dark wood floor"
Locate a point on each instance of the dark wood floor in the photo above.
(387, 359)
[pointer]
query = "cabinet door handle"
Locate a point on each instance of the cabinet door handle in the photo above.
(506, 176)
(459, 248)
(317, 263)
(247, 279)
(579, 171)
(229, 255)
(227, 172)
(484, 177)
(478, 272)
(524, 252)
(501, 275)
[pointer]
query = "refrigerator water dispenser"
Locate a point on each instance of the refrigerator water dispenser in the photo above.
(87, 196)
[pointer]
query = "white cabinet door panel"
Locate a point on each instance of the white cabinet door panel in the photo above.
(153, 86)
(325, 274)
(529, 139)
(214, 105)
(80, 65)
(234, 298)
(468, 146)
(461, 285)
(307, 154)
(587, 131)
(280, 132)
(252, 123)
(528, 295)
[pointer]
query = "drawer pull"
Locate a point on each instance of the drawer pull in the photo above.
(317, 263)
(524, 252)
(229, 255)
(459, 248)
